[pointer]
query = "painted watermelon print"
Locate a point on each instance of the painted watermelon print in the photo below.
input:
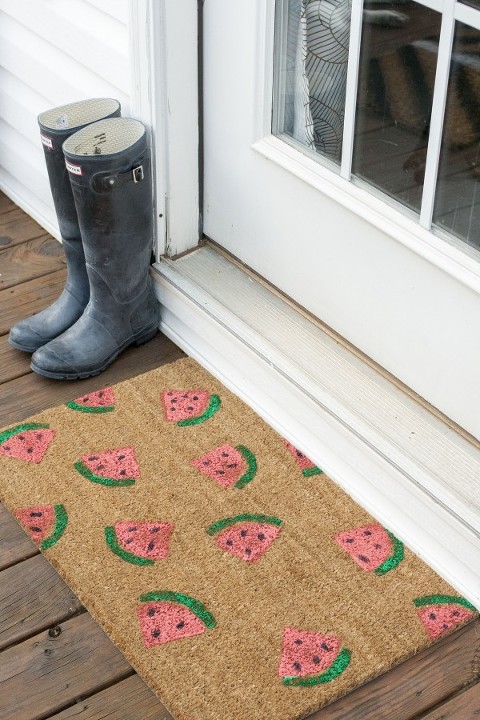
(440, 613)
(372, 547)
(311, 658)
(28, 442)
(139, 543)
(113, 468)
(307, 467)
(45, 524)
(100, 401)
(189, 407)
(228, 466)
(165, 616)
(246, 536)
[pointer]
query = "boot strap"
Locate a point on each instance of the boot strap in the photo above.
(105, 182)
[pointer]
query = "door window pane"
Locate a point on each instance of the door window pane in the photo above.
(457, 205)
(312, 56)
(397, 73)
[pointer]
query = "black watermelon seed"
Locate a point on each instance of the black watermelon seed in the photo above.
(261, 536)
(432, 616)
(93, 457)
(232, 465)
(122, 472)
(299, 454)
(100, 394)
(248, 551)
(21, 437)
(30, 450)
(132, 529)
(180, 625)
(185, 395)
(36, 529)
(154, 529)
(128, 541)
(297, 666)
(229, 542)
(243, 533)
(316, 659)
(151, 612)
(39, 436)
(219, 472)
(173, 400)
(85, 399)
(224, 454)
(298, 641)
(206, 462)
(100, 467)
(445, 626)
(150, 546)
(7, 447)
(324, 646)
(155, 633)
(36, 514)
(349, 540)
(169, 393)
(189, 407)
(195, 397)
(121, 457)
(367, 532)
(377, 546)
(363, 558)
(455, 613)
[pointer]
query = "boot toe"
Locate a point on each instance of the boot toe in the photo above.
(23, 336)
(46, 361)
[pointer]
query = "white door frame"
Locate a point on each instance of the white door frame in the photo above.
(164, 95)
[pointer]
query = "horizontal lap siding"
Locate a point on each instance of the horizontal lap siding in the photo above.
(53, 52)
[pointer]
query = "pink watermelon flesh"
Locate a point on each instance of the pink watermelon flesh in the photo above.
(225, 465)
(307, 653)
(185, 404)
(437, 619)
(302, 460)
(29, 445)
(369, 546)
(100, 398)
(248, 540)
(116, 464)
(162, 622)
(38, 521)
(145, 539)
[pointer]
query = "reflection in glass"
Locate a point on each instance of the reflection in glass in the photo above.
(311, 69)
(397, 73)
(457, 202)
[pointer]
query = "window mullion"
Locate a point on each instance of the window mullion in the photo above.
(351, 88)
(438, 112)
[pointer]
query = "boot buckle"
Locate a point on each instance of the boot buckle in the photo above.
(138, 174)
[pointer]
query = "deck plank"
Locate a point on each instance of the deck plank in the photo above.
(16, 227)
(31, 393)
(14, 543)
(129, 699)
(45, 674)
(13, 363)
(417, 684)
(32, 597)
(5, 203)
(464, 706)
(30, 259)
(29, 297)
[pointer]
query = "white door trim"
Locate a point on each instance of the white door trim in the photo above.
(164, 95)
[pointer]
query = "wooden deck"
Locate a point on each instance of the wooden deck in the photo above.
(55, 661)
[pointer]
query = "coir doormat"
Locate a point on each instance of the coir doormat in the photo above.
(236, 577)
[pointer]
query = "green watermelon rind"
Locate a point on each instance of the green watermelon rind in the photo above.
(88, 408)
(395, 558)
(81, 468)
(444, 600)
(7, 434)
(251, 461)
(115, 547)
(194, 605)
(340, 664)
(212, 408)
(308, 472)
(220, 525)
(61, 522)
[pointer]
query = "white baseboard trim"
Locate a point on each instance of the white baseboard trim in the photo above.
(253, 368)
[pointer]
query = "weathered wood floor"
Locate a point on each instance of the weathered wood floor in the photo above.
(55, 661)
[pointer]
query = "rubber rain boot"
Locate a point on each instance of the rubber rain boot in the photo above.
(110, 173)
(56, 126)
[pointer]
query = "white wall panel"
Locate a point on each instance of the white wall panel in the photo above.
(53, 52)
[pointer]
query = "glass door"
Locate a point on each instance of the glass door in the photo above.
(341, 164)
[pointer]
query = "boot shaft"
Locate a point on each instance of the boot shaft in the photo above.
(56, 126)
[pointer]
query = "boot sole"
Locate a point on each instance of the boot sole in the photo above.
(138, 340)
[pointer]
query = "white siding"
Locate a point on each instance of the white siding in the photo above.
(53, 52)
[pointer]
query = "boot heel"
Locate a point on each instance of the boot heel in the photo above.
(146, 336)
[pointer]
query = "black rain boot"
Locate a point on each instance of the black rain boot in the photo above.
(110, 174)
(56, 126)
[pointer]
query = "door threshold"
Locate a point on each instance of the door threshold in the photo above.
(411, 470)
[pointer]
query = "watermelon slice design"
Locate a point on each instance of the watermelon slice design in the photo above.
(307, 467)
(246, 536)
(189, 407)
(139, 543)
(44, 523)
(372, 547)
(310, 658)
(114, 468)
(100, 401)
(228, 466)
(440, 613)
(166, 616)
(29, 442)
